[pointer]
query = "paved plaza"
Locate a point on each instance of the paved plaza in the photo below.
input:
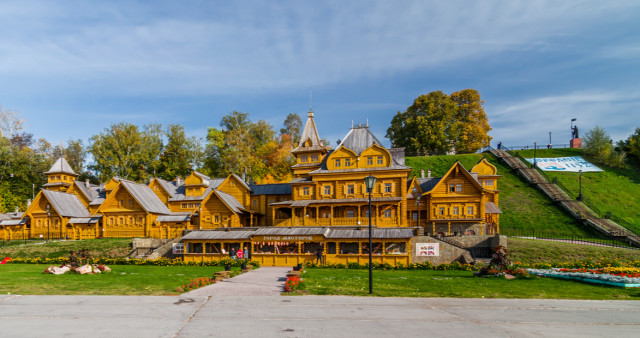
(249, 306)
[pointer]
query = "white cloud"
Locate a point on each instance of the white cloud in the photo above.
(523, 123)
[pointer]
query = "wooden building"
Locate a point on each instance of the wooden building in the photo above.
(327, 195)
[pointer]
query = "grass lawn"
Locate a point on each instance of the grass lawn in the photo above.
(613, 190)
(531, 251)
(28, 279)
(459, 284)
(523, 206)
(104, 248)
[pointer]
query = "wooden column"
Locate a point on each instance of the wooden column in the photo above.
(449, 225)
(331, 219)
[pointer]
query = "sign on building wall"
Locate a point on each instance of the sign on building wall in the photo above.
(574, 164)
(427, 249)
(178, 248)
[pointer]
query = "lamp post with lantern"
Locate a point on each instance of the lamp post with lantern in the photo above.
(370, 182)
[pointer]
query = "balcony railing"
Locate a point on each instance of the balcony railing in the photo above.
(350, 221)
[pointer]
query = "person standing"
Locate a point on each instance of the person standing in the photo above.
(319, 255)
(232, 253)
(246, 253)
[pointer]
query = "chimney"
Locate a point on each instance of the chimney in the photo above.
(178, 181)
(429, 173)
(86, 183)
(421, 173)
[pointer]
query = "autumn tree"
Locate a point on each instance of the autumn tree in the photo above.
(437, 123)
(632, 146)
(598, 143)
(241, 146)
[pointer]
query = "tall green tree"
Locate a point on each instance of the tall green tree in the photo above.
(178, 156)
(472, 125)
(124, 151)
(292, 127)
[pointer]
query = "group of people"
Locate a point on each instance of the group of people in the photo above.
(240, 254)
(245, 253)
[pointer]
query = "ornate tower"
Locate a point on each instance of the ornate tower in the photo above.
(310, 151)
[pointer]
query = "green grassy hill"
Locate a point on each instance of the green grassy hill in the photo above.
(523, 206)
(613, 190)
(104, 248)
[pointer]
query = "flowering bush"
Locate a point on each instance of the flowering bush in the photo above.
(615, 276)
(196, 284)
(292, 284)
(125, 261)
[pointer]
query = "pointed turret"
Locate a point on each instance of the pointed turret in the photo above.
(310, 151)
(60, 177)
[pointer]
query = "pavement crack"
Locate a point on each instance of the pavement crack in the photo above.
(188, 320)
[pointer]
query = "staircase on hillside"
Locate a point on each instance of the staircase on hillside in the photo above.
(576, 208)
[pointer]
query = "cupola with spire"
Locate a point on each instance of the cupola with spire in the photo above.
(310, 151)
(60, 177)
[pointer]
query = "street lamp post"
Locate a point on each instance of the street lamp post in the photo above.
(370, 182)
(418, 204)
(580, 185)
(48, 220)
(535, 147)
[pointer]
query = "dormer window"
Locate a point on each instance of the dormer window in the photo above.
(488, 182)
(338, 163)
(459, 187)
(304, 158)
(380, 160)
(314, 158)
(369, 160)
(347, 162)
(452, 187)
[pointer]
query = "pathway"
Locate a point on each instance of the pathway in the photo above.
(265, 281)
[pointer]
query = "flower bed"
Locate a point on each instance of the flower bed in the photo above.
(622, 277)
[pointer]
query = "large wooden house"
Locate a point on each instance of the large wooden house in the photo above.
(327, 192)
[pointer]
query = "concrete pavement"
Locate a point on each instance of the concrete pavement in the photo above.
(311, 316)
(250, 305)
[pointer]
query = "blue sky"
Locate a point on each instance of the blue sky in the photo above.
(72, 68)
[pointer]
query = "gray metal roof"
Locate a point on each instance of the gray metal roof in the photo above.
(271, 189)
(310, 132)
(231, 201)
(91, 192)
(492, 208)
(85, 220)
(297, 231)
(169, 187)
(146, 197)
(359, 139)
(61, 166)
(327, 232)
(97, 201)
(324, 170)
(13, 221)
(173, 218)
(300, 180)
(67, 205)
(426, 184)
(378, 233)
(218, 234)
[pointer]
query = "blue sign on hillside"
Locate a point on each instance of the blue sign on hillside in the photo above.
(574, 164)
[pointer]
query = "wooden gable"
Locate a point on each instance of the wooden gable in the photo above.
(457, 181)
(159, 190)
(233, 186)
(414, 186)
(342, 155)
(39, 207)
(120, 200)
(374, 152)
(484, 168)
